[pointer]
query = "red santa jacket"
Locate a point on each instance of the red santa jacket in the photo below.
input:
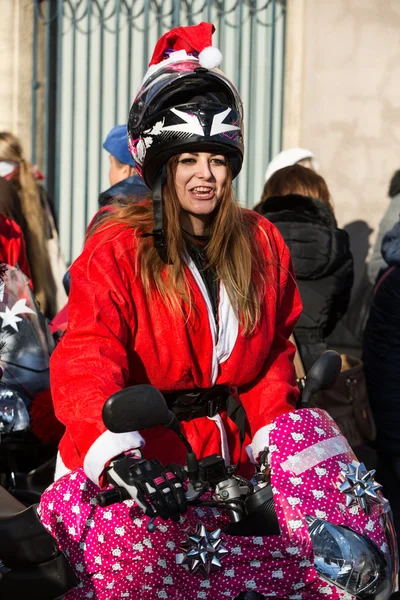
(116, 337)
(12, 245)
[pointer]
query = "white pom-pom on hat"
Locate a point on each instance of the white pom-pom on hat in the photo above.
(210, 57)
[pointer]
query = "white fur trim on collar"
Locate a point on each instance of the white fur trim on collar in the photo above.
(227, 319)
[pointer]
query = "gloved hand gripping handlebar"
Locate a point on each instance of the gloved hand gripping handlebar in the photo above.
(156, 489)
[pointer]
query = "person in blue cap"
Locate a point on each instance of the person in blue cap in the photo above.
(125, 184)
(124, 180)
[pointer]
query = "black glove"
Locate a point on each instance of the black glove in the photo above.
(155, 488)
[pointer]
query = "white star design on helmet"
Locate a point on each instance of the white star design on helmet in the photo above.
(10, 316)
(218, 126)
(191, 125)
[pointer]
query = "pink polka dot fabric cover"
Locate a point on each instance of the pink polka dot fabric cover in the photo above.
(114, 556)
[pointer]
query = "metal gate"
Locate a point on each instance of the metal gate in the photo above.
(89, 57)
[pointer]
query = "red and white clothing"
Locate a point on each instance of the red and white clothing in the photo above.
(117, 337)
(12, 245)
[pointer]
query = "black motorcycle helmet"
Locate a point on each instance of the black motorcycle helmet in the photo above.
(183, 106)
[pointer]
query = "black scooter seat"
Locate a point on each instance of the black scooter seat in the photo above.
(23, 539)
(9, 506)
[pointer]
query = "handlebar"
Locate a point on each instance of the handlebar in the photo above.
(117, 494)
(250, 507)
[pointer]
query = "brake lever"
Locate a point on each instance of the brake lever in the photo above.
(193, 493)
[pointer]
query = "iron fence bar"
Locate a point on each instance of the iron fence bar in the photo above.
(168, 24)
(272, 82)
(267, 121)
(34, 85)
(51, 116)
(46, 123)
(191, 12)
(209, 11)
(283, 41)
(117, 15)
(88, 111)
(100, 96)
(58, 105)
(176, 13)
(250, 137)
(239, 48)
(221, 29)
(159, 21)
(146, 35)
(72, 137)
(129, 61)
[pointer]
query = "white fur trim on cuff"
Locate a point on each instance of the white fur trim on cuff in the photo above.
(260, 440)
(61, 469)
(105, 448)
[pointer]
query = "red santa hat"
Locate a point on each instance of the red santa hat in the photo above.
(194, 40)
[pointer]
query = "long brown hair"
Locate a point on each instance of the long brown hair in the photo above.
(232, 251)
(33, 223)
(296, 179)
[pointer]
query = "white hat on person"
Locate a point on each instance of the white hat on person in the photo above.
(289, 157)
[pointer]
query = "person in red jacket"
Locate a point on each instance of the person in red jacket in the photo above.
(12, 245)
(188, 292)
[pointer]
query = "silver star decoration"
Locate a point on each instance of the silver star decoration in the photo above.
(202, 551)
(359, 486)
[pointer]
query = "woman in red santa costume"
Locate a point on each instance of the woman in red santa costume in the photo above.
(186, 293)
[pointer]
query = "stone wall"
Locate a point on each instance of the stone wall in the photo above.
(16, 29)
(342, 100)
(342, 90)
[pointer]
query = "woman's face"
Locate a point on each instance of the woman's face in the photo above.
(199, 182)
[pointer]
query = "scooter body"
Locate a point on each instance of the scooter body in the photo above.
(32, 565)
(25, 347)
(26, 341)
(323, 528)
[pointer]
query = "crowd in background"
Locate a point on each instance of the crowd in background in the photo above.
(296, 199)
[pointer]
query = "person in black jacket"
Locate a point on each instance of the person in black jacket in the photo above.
(297, 201)
(124, 180)
(381, 356)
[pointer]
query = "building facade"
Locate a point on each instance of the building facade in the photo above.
(340, 66)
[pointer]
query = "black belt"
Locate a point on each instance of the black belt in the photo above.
(188, 405)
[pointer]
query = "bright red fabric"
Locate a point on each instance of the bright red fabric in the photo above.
(116, 338)
(12, 245)
(60, 321)
(192, 39)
